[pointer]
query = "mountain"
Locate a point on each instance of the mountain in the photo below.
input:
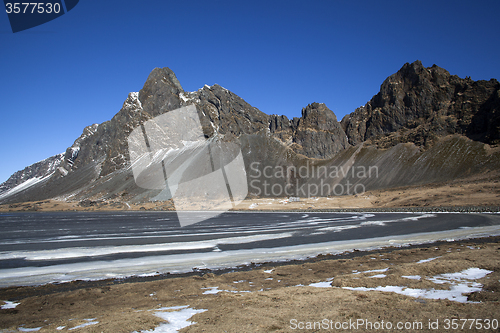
(33, 172)
(419, 104)
(424, 126)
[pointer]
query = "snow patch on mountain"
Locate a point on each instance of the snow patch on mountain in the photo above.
(31, 174)
(132, 102)
(28, 183)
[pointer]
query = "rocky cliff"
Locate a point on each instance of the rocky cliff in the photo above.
(402, 130)
(419, 104)
(317, 134)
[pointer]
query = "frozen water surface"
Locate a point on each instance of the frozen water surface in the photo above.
(61, 247)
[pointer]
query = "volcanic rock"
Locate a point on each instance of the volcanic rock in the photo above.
(419, 104)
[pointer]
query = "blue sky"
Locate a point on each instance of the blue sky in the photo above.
(279, 56)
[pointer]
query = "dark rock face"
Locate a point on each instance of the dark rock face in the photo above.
(283, 129)
(225, 113)
(419, 104)
(319, 133)
(161, 92)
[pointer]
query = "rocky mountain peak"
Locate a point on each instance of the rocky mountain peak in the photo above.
(160, 92)
(419, 104)
(317, 133)
(318, 116)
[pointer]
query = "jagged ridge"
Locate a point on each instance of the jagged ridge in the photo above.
(419, 104)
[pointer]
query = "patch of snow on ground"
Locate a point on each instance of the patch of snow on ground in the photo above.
(426, 260)
(462, 283)
(374, 271)
(326, 284)
(88, 323)
(378, 276)
(411, 277)
(176, 317)
(216, 290)
(9, 305)
(269, 271)
(211, 290)
(23, 329)
(323, 284)
(468, 274)
(252, 206)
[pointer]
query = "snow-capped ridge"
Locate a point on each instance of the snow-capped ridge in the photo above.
(28, 176)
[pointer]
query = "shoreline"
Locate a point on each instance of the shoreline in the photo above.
(54, 287)
(268, 297)
(475, 194)
(413, 209)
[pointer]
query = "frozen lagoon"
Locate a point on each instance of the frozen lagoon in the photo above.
(39, 248)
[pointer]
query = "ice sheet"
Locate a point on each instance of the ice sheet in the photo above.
(79, 252)
(181, 263)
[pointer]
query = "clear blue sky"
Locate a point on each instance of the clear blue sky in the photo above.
(279, 56)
